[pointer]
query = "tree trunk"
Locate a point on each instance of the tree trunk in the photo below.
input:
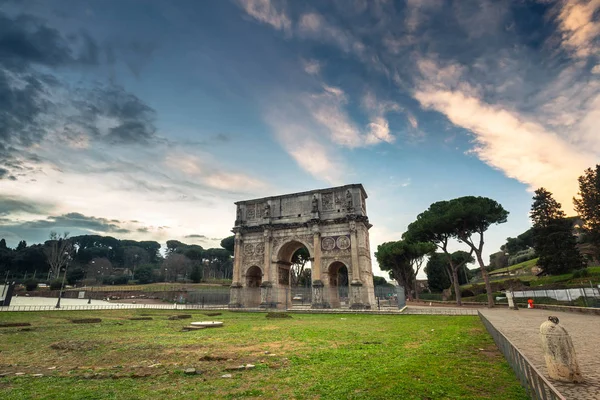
(456, 287)
(416, 290)
(486, 278)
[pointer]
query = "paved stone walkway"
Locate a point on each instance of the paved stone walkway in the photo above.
(522, 327)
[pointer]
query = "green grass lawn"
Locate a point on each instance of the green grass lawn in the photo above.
(309, 356)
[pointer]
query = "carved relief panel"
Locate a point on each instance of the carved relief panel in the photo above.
(329, 243)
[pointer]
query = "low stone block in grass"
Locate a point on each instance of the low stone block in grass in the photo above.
(278, 315)
(192, 328)
(13, 324)
(180, 316)
(212, 314)
(140, 319)
(86, 321)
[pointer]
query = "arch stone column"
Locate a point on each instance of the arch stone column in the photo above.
(235, 298)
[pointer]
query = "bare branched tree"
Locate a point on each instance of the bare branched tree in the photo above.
(57, 250)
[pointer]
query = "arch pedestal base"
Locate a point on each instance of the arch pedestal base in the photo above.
(317, 296)
(235, 296)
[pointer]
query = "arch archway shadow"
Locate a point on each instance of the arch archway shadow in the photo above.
(253, 283)
(338, 284)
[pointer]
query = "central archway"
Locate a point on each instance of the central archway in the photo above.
(293, 258)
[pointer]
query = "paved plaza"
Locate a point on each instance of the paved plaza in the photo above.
(522, 328)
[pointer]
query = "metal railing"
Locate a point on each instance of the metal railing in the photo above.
(440, 311)
(120, 306)
(537, 386)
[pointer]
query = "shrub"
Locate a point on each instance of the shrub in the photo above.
(522, 256)
(144, 274)
(467, 293)
(581, 273)
(115, 280)
(278, 315)
(56, 284)
(30, 284)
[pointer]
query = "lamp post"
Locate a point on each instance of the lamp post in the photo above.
(63, 280)
(91, 288)
(135, 259)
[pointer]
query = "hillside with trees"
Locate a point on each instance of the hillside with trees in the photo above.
(95, 259)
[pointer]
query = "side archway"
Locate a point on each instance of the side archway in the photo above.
(253, 281)
(338, 280)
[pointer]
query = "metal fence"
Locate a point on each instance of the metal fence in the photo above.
(282, 298)
(120, 306)
(581, 297)
(531, 379)
(440, 311)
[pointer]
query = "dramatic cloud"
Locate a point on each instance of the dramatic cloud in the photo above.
(267, 12)
(312, 67)
(76, 220)
(379, 129)
(194, 167)
(113, 115)
(17, 205)
(314, 26)
(580, 26)
(523, 149)
(38, 109)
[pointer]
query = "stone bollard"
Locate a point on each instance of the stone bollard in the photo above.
(559, 352)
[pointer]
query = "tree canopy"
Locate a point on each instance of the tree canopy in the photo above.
(465, 219)
(554, 241)
(402, 259)
(587, 205)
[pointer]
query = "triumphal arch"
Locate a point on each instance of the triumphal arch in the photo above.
(333, 226)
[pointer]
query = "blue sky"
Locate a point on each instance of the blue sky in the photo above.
(147, 120)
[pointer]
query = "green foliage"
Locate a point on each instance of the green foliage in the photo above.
(196, 275)
(431, 296)
(587, 205)
(553, 238)
(498, 260)
(75, 274)
(522, 256)
(522, 242)
(30, 284)
(379, 281)
(436, 269)
(463, 219)
(144, 274)
(55, 284)
(400, 257)
(581, 273)
(228, 243)
(115, 280)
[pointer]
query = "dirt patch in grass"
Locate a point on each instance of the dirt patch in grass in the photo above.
(13, 324)
(75, 345)
(278, 315)
(86, 320)
(490, 352)
(213, 358)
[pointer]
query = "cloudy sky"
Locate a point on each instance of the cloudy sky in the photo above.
(148, 119)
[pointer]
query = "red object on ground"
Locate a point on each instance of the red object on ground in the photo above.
(530, 303)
